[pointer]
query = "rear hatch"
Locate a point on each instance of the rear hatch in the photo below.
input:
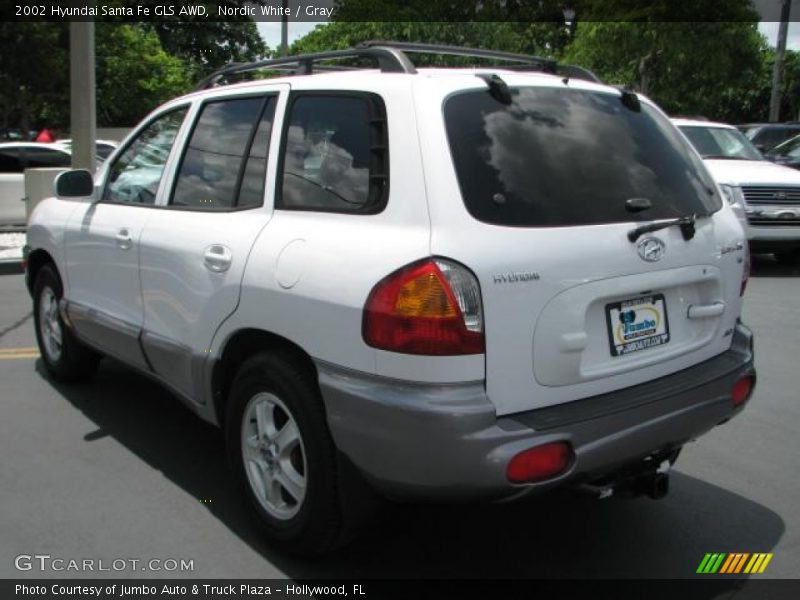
(539, 198)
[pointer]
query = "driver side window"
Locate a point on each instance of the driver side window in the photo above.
(136, 173)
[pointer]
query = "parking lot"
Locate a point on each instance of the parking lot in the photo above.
(119, 469)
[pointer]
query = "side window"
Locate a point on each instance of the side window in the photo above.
(9, 161)
(46, 157)
(135, 174)
(335, 155)
(225, 160)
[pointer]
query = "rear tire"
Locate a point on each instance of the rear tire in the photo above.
(283, 456)
(65, 358)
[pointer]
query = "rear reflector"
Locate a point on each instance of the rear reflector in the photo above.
(742, 390)
(540, 463)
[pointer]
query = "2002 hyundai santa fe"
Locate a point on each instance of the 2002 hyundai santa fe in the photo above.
(452, 283)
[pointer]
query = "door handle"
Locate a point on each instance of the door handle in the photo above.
(124, 239)
(705, 311)
(217, 258)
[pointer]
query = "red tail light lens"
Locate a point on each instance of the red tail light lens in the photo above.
(431, 307)
(742, 390)
(540, 463)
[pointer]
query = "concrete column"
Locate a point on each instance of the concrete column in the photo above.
(777, 68)
(82, 94)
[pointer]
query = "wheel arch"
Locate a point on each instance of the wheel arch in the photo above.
(241, 345)
(37, 259)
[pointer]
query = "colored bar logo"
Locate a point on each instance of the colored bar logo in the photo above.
(734, 563)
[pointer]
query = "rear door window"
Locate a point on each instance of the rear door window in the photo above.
(561, 157)
(9, 161)
(224, 164)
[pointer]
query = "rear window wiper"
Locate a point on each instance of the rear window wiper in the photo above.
(685, 223)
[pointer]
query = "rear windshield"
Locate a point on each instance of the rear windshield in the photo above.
(558, 157)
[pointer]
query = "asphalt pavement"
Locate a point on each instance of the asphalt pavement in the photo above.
(119, 470)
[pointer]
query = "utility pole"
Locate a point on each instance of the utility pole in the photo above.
(83, 127)
(285, 29)
(777, 67)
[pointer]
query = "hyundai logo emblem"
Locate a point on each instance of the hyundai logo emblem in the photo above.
(651, 249)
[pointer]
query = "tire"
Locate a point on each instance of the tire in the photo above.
(64, 357)
(788, 258)
(294, 480)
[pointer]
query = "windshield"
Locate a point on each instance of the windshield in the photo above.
(560, 157)
(788, 148)
(721, 142)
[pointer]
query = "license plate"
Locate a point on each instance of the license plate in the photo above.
(637, 324)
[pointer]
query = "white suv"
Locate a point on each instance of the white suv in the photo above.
(471, 283)
(766, 195)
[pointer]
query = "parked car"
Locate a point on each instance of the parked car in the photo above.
(428, 284)
(15, 157)
(766, 195)
(766, 136)
(103, 148)
(786, 154)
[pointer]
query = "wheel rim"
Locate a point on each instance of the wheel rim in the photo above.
(274, 456)
(49, 324)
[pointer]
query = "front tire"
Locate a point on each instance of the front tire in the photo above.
(283, 456)
(64, 357)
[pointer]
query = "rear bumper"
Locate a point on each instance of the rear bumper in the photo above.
(445, 442)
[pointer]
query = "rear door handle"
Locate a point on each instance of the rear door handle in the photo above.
(705, 311)
(217, 258)
(124, 239)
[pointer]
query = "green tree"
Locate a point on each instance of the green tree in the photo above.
(208, 45)
(527, 38)
(33, 74)
(134, 73)
(687, 67)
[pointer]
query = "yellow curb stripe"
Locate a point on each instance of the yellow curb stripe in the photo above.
(18, 351)
(19, 355)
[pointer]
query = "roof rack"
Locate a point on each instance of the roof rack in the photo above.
(391, 57)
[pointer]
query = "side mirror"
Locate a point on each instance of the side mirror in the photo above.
(74, 184)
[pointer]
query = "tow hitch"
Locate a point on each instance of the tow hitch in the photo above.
(654, 484)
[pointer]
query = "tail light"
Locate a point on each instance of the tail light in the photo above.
(540, 463)
(431, 307)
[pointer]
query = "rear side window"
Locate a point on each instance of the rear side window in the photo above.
(335, 154)
(9, 161)
(768, 138)
(225, 160)
(46, 157)
(560, 157)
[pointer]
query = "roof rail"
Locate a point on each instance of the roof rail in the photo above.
(389, 61)
(391, 58)
(537, 62)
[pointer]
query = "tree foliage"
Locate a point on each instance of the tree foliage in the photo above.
(528, 38)
(688, 68)
(134, 73)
